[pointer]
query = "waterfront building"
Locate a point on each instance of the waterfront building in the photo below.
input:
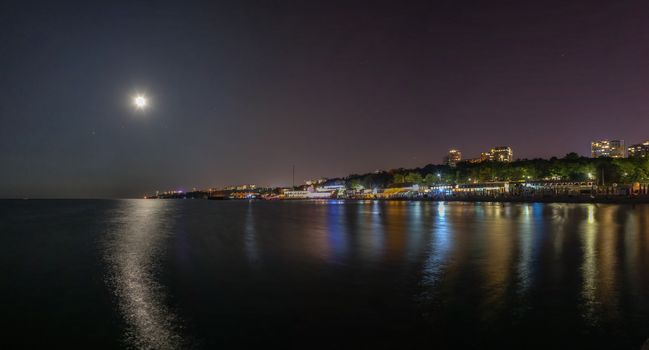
(400, 190)
(640, 150)
(440, 190)
(607, 149)
(338, 186)
(482, 189)
(308, 194)
(366, 193)
(453, 157)
(554, 187)
(248, 194)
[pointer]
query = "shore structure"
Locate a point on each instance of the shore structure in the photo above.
(607, 176)
(499, 191)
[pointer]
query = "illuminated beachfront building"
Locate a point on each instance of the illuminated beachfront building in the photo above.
(607, 149)
(554, 187)
(400, 190)
(247, 194)
(336, 185)
(484, 188)
(640, 150)
(310, 193)
(453, 157)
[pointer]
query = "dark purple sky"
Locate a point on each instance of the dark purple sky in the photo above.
(241, 90)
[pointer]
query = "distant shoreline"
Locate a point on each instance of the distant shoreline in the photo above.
(494, 199)
(474, 199)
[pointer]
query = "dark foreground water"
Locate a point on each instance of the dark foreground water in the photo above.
(205, 274)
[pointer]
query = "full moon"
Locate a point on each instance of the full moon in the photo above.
(140, 102)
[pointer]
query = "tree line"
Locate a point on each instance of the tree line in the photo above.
(572, 167)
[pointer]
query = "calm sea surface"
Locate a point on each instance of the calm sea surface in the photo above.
(234, 274)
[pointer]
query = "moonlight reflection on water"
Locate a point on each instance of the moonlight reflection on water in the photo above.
(133, 251)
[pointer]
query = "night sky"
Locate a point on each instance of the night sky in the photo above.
(241, 90)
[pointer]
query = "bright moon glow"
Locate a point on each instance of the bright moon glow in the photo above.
(140, 102)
